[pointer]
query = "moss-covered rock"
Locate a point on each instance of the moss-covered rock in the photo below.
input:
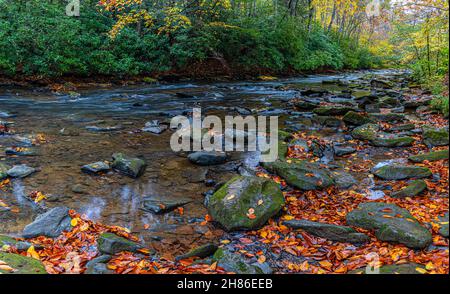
(413, 189)
(391, 141)
(402, 127)
(391, 223)
(394, 269)
(366, 132)
(21, 264)
(303, 175)
(327, 121)
(233, 262)
(4, 171)
(328, 231)
(435, 137)
(245, 203)
(201, 252)
(6, 240)
(356, 119)
(401, 172)
(132, 167)
(431, 156)
(109, 243)
(387, 117)
(443, 223)
(332, 110)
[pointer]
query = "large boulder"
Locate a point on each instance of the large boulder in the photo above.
(391, 223)
(431, 156)
(413, 189)
(328, 231)
(18, 264)
(356, 119)
(132, 167)
(435, 137)
(245, 202)
(206, 158)
(401, 172)
(50, 224)
(233, 262)
(109, 243)
(302, 175)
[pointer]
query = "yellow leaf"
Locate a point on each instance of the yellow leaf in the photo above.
(429, 266)
(31, 252)
(74, 222)
(421, 270)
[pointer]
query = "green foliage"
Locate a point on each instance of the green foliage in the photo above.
(37, 38)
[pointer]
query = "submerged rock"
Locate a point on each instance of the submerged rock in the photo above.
(21, 264)
(50, 224)
(328, 231)
(432, 156)
(205, 158)
(233, 262)
(435, 137)
(202, 252)
(96, 167)
(391, 223)
(401, 172)
(20, 171)
(245, 202)
(109, 243)
(303, 175)
(413, 189)
(21, 151)
(132, 167)
(159, 206)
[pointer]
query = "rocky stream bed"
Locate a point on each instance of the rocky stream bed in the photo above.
(89, 184)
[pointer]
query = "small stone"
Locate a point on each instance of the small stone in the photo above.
(20, 171)
(109, 243)
(96, 167)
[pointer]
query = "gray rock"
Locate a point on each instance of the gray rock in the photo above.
(98, 266)
(109, 243)
(401, 172)
(432, 156)
(20, 171)
(104, 129)
(343, 150)
(387, 117)
(245, 202)
(154, 127)
(159, 206)
(50, 224)
(343, 179)
(391, 224)
(132, 167)
(205, 158)
(332, 110)
(21, 151)
(96, 167)
(328, 231)
(413, 189)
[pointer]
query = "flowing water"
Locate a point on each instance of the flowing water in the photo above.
(113, 198)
